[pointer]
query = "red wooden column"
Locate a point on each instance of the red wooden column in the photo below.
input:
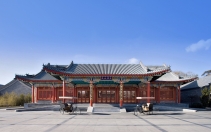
(95, 94)
(148, 92)
(116, 95)
(91, 93)
(179, 94)
(36, 95)
(75, 93)
(121, 94)
(158, 94)
(176, 98)
(64, 89)
(53, 94)
(137, 94)
(32, 93)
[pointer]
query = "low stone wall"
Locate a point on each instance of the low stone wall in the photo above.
(50, 106)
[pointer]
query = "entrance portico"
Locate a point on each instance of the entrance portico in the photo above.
(107, 89)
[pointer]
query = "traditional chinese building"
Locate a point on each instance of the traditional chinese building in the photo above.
(105, 83)
(191, 92)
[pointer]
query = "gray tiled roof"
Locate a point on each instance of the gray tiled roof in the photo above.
(43, 76)
(201, 82)
(16, 86)
(170, 76)
(207, 72)
(40, 76)
(153, 68)
(106, 68)
(1, 86)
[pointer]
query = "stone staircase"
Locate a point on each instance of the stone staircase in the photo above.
(101, 108)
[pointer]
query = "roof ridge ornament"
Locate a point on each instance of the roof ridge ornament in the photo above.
(70, 65)
(143, 66)
(206, 73)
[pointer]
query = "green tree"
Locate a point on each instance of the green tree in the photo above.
(205, 96)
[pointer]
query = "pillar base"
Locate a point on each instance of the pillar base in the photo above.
(90, 109)
(120, 103)
(123, 110)
(91, 103)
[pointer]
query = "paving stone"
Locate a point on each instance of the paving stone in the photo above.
(164, 121)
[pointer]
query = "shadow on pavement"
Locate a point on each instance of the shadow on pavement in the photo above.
(100, 114)
(168, 113)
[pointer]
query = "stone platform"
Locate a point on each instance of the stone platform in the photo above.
(100, 107)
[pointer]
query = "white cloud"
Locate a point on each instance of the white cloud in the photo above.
(133, 61)
(199, 45)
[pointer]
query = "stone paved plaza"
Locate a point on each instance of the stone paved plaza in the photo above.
(45, 121)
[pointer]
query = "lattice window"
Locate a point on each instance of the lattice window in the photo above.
(44, 93)
(83, 95)
(129, 95)
(106, 94)
(167, 93)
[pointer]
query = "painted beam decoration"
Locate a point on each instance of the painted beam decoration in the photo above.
(121, 91)
(91, 90)
(106, 78)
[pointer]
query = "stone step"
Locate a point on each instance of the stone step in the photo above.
(105, 105)
(106, 109)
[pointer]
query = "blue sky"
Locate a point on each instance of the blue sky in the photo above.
(33, 33)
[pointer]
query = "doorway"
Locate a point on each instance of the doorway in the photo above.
(106, 95)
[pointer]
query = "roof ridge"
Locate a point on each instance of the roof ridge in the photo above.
(38, 73)
(69, 66)
(174, 74)
(25, 84)
(8, 84)
(42, 71)
(135, 69)
(143, 66)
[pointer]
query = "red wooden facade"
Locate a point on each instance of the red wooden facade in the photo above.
(107, 94)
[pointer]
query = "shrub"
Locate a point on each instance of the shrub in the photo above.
(13, 99)
(21, 99)
(27, 98)
(205, 96)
